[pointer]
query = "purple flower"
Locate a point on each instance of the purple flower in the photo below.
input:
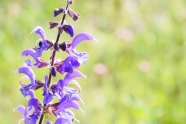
(29, 72)
(64, 90)
(61, 88)
(34, 84)
(32, 112)
(68, 101)
(67, 65)
(39, 63)
(43, 44)
(79, 38)
(81, 56)
(25, 88)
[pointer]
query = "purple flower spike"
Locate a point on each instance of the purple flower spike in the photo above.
(69, 30)
(81, 37)
(59, 96)
(29, 72)
(39, 30)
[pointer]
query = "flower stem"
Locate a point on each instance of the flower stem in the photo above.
(52, 62)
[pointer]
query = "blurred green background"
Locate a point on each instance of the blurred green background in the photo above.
(136, 73)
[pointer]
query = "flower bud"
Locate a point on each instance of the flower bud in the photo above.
(69, 30)
(56, 47)
(63, 46)
(58, 11)
(53, 71)
(70, 1)
(73, 14)
(53, 24)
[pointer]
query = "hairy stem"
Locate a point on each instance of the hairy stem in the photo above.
(52, 62)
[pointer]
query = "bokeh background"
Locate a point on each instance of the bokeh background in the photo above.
(136, 73)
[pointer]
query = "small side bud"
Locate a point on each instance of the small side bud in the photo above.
(56, 47)
(70, 1)
(73, 14)
(63, 46)
(53, 71)
(60, 29)
(53, 24)
(69, 30)
(58, 11)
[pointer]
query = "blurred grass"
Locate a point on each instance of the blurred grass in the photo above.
(136, 73)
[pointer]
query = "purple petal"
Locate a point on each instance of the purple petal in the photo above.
(38, 52)
(25, 88)
(69, 114)
(79, 38)
(31, 94)
(39, 63)
(49, 122)
(31, 120)
(39, 30)
(58, 89)
(82, 56)
(48, 97)
(73, 60)
(63, 121)
(71, 90)
(60, 84)
(30, 52)
(67, 104)
(33, 103)
(65, 67)
(28, 62)
(69, 29)
(29, 72)
(22, 110)
(69, 77)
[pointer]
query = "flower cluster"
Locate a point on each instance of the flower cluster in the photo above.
(67, 96)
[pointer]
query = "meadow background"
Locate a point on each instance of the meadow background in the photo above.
(136, 73)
